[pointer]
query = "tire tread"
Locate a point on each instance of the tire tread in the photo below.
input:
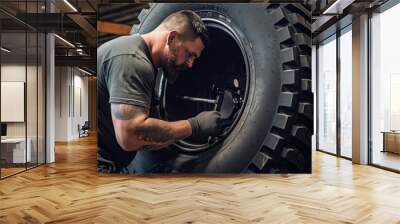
(289, 140)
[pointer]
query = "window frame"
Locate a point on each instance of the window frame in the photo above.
(333, 37)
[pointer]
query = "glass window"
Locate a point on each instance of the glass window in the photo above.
(385, 88)
(327, 96)
(14, 153)
(346, 93)
(22, 92)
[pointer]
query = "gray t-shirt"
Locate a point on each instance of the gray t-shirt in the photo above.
(125, 74)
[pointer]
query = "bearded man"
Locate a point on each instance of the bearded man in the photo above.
(129, 139)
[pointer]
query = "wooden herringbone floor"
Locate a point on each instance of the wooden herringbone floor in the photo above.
(71, 191)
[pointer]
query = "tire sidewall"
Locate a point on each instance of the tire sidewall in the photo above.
(255, 29)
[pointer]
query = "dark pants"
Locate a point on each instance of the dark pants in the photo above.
(144, 162)
(151, 162)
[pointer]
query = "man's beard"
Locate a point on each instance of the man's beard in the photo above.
(171, 69)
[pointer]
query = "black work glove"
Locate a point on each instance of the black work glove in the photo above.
(207, 123)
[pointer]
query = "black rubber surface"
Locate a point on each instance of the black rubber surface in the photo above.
(288, 145)
(275, 128)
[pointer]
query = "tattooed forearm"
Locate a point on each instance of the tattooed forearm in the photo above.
(135, 130)
(126, 112)
(158, 134)
(154, 132)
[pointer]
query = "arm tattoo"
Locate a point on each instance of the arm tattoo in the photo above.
(157, 136)
(154, 133)
(126, 112)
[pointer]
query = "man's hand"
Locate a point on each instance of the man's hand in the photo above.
(207, 123)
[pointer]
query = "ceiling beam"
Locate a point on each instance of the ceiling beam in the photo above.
(79, 20)
(83, 61)
(113, 28)
(83, 23)
(86, 26)
(338, 6)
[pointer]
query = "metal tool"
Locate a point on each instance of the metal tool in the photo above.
(197, 99)
(226, 102)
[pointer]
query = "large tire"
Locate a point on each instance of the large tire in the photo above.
(274, 131)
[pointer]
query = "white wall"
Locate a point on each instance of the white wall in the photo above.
(61, 103)
(17, 72)
(70, 83)
(33, 127)
(81, 82)
(14, 72)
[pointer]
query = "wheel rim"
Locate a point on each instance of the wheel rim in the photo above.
(231, 74)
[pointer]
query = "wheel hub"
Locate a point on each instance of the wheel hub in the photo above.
(218, 81)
